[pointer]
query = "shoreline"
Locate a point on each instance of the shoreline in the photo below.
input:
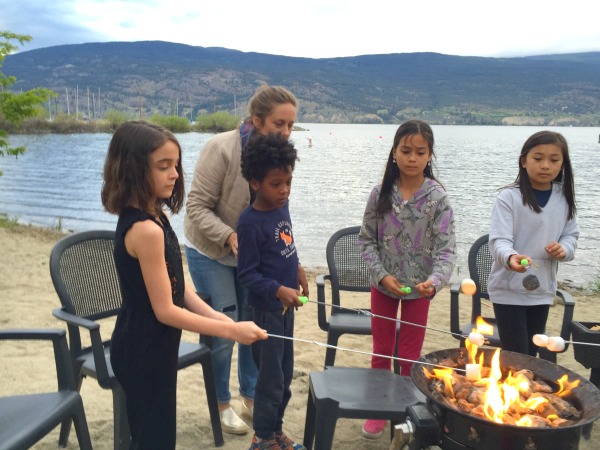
(28, 298)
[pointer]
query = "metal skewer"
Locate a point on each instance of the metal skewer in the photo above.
(369, 313)
(321, 344)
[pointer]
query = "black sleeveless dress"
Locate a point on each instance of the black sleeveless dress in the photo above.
(143, 350)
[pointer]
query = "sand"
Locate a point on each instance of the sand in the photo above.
(27, 297)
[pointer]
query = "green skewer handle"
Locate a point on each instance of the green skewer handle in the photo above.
(406, 289)
(303, 299)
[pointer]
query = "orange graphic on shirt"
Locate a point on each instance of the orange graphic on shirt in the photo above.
(287, 238)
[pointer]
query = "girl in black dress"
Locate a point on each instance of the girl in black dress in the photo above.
(142, 175)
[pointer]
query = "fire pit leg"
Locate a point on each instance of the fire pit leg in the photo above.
(595, 380)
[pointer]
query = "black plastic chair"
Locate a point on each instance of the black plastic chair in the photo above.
(347, 272)
(85, 278)
(354, 393)
(480, 265)
(25, 419)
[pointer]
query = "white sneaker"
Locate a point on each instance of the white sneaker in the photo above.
(247, 412)
(231, 423)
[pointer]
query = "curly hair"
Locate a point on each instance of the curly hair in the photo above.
(266, 152)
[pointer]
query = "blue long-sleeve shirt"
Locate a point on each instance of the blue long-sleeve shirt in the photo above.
(267, 257)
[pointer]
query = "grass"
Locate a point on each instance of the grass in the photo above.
(595, 284)
(7, 222)
(13, 225)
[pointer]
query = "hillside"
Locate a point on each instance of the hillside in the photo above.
(175, 78)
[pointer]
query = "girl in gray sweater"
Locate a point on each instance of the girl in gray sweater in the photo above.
(533, 227)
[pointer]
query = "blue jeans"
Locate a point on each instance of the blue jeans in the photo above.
(229, 297)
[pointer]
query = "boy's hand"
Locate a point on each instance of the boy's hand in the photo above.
(303, 281)
(288, 297)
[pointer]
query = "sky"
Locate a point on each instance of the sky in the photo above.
(317, 28)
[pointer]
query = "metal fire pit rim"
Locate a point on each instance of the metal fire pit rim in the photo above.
(461, 351)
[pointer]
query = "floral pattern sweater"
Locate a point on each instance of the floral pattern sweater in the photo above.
(413, 242)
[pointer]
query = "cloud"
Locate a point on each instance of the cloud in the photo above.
(316, 28)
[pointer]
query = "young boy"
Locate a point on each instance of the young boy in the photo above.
(268, 266)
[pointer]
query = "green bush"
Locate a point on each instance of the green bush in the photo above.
(174, 123)
(216, 122)
(116, 118)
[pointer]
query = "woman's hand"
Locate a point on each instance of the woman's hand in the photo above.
(232, 241)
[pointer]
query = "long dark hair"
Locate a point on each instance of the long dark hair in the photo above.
(127, 179)
(565, 176)
(392, 173)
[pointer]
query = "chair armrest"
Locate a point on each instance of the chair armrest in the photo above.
(72, 319)
(455, 309)
(64, 370)
(95, 338)
(569, 303)
(321, 308)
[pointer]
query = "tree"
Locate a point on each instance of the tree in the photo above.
(16, 107)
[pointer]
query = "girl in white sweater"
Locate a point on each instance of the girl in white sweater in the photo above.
(533, 227)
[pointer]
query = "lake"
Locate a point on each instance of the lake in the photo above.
(58, 181)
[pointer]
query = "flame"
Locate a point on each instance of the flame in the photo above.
(481, 326)
(504, 400)
(565, 386)
(471, 351)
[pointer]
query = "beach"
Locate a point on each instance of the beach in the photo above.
(28, 298)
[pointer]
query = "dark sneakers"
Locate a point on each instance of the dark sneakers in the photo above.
(280, 441)
(286, 442)
(264, 444)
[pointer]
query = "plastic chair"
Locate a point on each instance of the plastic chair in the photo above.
(85, 278)
(480, 265)
(347, 272)
(25, 419)
(354, 393)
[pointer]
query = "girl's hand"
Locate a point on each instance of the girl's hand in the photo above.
(248, 332)
(555, 250)
(514, 263)
(392, 285)
(425, 289)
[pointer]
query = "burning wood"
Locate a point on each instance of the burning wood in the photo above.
(502, 395)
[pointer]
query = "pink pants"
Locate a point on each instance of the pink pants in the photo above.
(410, 340)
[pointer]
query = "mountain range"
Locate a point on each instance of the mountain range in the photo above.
(143, 78)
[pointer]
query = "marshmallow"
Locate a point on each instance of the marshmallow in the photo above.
(556, 344)
(467, 286)
(476, 339)
(473, 372)
(541, 340)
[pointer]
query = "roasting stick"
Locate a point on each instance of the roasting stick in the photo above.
(321, 344)
(556, 343)
(369, 313)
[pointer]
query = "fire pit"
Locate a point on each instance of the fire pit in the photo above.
(459, 430)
